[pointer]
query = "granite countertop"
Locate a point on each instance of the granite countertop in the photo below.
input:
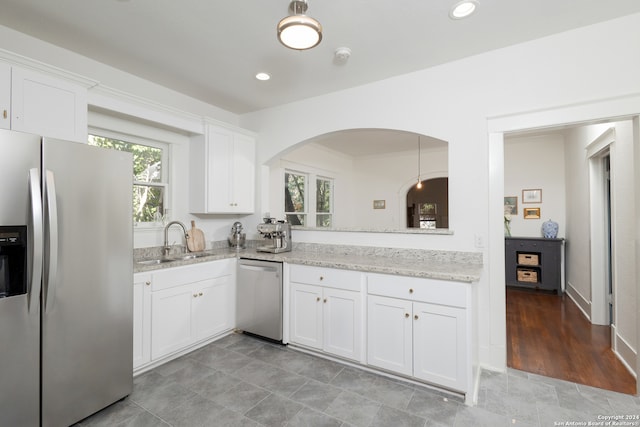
(444, 265)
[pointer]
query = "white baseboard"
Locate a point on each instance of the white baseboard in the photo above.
(624, 352)
(583, 304)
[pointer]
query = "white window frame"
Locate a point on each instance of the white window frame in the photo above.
(310, 197)
(315, 198)
(305, 213)
(166, 165)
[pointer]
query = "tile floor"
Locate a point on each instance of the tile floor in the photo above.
(243, 381)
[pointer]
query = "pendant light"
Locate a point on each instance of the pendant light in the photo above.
(299, 31)
(419, 184)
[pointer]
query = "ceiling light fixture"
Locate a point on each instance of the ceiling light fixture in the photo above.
(263, 76)
(299, 31)
(463, 9)
(419, 184)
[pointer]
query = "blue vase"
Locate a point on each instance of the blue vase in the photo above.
(549, 229)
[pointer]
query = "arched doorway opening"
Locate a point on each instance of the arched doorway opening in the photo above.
(428, 206)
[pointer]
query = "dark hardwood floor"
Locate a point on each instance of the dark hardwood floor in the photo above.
(548, 335)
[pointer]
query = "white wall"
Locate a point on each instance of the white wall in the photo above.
(388, 177)
(312, 158)
(443, 102)
(579, 237)
(536, 162)
(138, 99)
(578, 263)
(625, 278)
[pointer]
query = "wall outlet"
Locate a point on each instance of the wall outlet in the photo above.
(479, 241)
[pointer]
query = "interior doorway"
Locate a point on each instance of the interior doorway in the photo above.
(599, 238)
(600, 211)
(428, 205)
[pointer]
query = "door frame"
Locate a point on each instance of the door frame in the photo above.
(602, 146)
(596, 111)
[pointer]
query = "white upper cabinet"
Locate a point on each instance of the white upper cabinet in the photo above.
(45, 105)
(222, 172)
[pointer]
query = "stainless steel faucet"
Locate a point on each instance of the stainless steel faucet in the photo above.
(166, 247)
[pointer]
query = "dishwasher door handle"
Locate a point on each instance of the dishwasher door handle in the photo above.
(259, 268)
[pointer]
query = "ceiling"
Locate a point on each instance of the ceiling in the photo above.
(376, 142)
(212, 49)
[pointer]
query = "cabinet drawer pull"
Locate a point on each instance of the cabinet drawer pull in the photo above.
(410, 290)
(407, 315)
(4, 114)
(321, 278)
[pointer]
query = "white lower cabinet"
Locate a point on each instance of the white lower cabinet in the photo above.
(141, 319)
(323, 316)
(425, 340)
(186, 305)
(440, 344)
(390, 334)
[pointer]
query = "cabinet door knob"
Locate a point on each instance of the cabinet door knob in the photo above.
(200, 294)
(325, 300)
(321, 278)
(317, 299)
(415, 317)
(407, 315)
(195, 295)
(147, 283)
(410, 290)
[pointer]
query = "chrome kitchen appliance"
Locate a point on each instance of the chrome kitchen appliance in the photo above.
(259, 299)
(66, 280)
(237, 237)
(277, 236)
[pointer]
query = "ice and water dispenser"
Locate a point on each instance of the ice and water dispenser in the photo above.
(13, 260)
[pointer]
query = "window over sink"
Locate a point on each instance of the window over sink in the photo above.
(150, 181)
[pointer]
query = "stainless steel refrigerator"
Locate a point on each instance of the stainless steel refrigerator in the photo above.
(65, 279)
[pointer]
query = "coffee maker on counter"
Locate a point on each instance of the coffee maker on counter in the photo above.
(277, 236)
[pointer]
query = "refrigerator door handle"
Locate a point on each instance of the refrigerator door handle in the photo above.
(52, 249)
(38, 238)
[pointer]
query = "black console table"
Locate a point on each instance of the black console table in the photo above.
(534, 263)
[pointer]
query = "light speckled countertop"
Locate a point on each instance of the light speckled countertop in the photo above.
(444, 265)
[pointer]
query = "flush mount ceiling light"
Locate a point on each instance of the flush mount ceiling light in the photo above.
(263, 76)
(463, 9)
(299, 31)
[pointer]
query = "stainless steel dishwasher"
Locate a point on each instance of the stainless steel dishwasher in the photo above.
(259, 298)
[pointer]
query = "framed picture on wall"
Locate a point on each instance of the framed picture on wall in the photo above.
(511, 205)
(532, 196)
(531, 213)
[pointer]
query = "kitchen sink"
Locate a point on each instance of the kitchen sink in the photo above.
(179, 257)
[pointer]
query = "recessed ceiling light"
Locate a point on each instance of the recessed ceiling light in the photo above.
(463, 9)
(263, 76)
